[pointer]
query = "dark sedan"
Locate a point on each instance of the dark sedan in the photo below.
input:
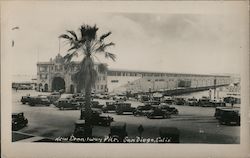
(18, 121)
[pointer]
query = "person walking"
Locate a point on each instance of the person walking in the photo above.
(140, 130)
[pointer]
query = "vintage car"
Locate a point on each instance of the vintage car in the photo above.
(80, 100)
(80, 129)
(192, 101)
(25, 99)
(169, 134)
(167, 100)
(216, 103)
(180, 101)
(118, 131)
(218, 111)
(120, 97)
(167, 108)
(97, 118)
(124, 107)
(67, 104)
(53, 97)
(204, 102)
(18, 121)
(110, 106)
(102, 96)
(39, 100)
(143, 110)
(144, 98)
(230, 117)
(158, 113)
(96, 104)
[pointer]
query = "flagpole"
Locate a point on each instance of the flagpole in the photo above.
(59, 49)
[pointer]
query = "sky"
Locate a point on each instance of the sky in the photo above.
(150, 41)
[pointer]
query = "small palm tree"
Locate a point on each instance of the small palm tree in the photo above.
(88, 44)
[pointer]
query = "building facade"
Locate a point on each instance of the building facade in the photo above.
(55, 75)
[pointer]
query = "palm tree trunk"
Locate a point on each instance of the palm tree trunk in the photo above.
(86, 111)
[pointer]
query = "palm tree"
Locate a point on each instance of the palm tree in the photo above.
(89, 45)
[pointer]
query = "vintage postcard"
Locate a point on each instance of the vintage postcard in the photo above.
(125, 79)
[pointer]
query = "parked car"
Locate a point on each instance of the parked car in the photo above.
(158, 113)
(219, 110)
(77, 95)
(169, 134)
(96, 104)
(124, 107)
(120, 97)
(118, 131)
(168, 109)
(143, 110)
(97, 119)
(80, 100)
(144, 98)
(25, 99)
(53, 97)
(204, 102)
(79, 131)
(110, 106)
(230, 117)
(192, 101)
(180, 101)
(18, 121)
(167, 100)
(103, 96)
(215, 103)
(67, 104)
(39, 100)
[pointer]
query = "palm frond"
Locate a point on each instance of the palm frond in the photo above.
(73, 34)
(74, 47)
(104, 36)
(110, 55)
(103, 47)
(65, 36)
(67, 58)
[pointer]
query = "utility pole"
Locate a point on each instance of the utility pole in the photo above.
(215, 88)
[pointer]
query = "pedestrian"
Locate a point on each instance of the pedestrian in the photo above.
(232, 103)
(140, 130)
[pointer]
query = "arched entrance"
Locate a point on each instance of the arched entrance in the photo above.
(58, 83)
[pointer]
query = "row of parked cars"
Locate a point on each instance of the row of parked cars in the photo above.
(203, 102)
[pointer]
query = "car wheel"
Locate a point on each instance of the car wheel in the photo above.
(23, 102)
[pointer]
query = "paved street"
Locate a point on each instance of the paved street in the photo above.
(196, 124)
